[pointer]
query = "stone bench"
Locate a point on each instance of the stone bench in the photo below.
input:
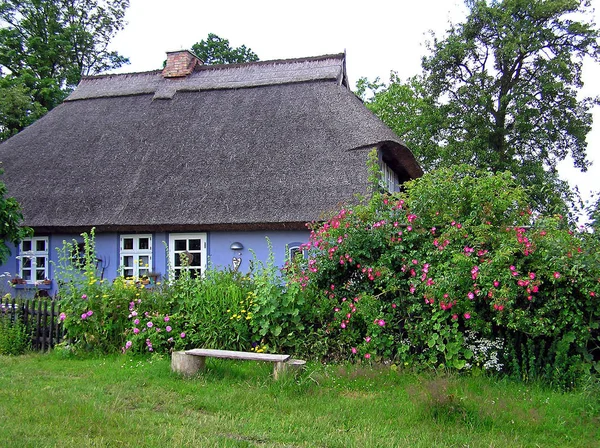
(189, 362)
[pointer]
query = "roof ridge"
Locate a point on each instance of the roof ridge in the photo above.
(203, 67)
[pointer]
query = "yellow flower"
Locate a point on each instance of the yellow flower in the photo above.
(157, 283)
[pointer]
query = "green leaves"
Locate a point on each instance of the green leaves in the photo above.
(456, 271)
(500, 92)
(11, 218)
(216, 50)
(45, 49)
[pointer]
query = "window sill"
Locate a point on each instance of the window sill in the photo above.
(39, 286)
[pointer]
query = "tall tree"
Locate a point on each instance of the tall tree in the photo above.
(216, 50)
(500, 92)
(47, 45)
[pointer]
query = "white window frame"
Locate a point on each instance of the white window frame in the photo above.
(388, 178)
(33, 256)
(202, 251)
(139, 257)
(294, 248)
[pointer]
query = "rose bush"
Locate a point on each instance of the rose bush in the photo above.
(405, 276)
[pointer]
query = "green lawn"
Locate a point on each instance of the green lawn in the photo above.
(122, 401)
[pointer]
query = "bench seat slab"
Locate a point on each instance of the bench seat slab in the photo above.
(231, 354)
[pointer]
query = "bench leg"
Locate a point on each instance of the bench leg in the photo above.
(292, 365)
(186, 364)
(278, 369)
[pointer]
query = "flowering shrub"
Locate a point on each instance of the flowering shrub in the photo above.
(125, 315)
(405, 276)
(151, 331)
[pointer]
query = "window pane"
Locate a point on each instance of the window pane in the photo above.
(144, 243)
(127, 243)
(195, 273)
(180, 245)
(26, 246)
(40, 245)
(195, 244)
(144, 272)
(127, 273)
(26, 262)
(39, 274)
(40, 262)
(196, 260)
(144, 261)
(177, 259)
(128, 261)
(27, 274)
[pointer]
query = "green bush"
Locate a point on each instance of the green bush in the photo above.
(206, 309)
(14, 338)
(128, 315)
(406, 276)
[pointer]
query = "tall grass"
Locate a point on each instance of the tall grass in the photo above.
(207, 307)
(14, 338)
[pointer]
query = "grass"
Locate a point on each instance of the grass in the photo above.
(48, 401)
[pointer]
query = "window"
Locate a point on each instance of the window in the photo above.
(294, 249)
(388, 180)
(191, 246)
(33, 252)
(136, 255)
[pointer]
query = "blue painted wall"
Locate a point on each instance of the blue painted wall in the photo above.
(218, 246)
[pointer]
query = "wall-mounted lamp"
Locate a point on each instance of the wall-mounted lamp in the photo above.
(236, 261)
(236, 246)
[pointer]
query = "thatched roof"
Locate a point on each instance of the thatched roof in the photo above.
(259, 145)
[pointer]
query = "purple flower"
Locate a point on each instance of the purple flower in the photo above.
(137, 321)
(84, 316)
(167, 319)
(62, 317)
(168, 329)
(136, 330)
(182, 335)
(128, 344)
(150, 324)
(89, 313)
(84, 297)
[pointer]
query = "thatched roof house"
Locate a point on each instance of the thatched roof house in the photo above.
(257, 146)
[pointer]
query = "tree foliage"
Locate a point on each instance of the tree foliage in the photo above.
(46, 46)
(500, 92)
(10, 222)
(216, 50)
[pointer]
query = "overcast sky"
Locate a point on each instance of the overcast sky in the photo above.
(378, 36)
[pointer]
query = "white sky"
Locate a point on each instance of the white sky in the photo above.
(378, 36)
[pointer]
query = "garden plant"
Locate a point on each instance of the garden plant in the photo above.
(454, 272)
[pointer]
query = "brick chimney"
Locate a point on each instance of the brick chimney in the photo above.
(180, 63)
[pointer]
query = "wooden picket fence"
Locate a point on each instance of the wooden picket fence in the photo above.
(40, 317)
